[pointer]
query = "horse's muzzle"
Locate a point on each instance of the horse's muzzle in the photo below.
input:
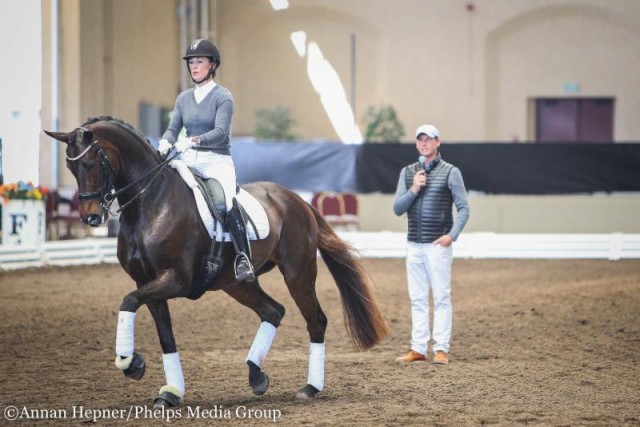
(94, 220)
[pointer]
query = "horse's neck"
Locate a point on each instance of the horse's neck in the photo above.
(138, 178)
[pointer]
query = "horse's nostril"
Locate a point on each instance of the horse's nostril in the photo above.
(94, 220)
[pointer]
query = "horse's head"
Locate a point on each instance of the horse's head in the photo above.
(88, 160)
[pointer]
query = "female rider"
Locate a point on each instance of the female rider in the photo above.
(206, 111)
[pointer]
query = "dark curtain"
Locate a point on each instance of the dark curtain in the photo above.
(499, 168)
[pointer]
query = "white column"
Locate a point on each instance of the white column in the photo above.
(21, 89)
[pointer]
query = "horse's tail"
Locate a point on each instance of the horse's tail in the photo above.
(362, 316)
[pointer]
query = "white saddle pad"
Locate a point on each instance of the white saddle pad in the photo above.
(251, 205)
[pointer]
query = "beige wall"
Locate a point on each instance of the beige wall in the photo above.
(522, 214)
(537, 51)
(471, 73)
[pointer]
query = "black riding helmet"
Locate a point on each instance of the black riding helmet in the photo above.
(203, 47)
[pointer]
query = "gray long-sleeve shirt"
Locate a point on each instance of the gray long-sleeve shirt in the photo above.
(210, 119)
(405, 197)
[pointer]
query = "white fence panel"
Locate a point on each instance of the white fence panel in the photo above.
(370, 245)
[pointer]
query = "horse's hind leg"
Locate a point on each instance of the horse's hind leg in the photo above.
(270, 313)
(300, 278)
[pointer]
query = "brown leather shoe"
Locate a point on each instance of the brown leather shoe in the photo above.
(441, 358)
(411, 357)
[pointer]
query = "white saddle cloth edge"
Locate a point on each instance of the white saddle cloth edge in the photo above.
(251, 205)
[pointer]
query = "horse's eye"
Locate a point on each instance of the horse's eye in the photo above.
(88, 166)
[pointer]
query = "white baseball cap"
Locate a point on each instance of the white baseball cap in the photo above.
(430, 130)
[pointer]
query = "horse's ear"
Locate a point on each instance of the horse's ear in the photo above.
(60, 136)
(87, 136)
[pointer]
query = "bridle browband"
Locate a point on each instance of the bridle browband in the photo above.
(108, 192)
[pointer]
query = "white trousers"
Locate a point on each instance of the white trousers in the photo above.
(208, 164)
(429, 271)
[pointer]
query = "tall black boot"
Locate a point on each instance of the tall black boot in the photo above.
(235, 223)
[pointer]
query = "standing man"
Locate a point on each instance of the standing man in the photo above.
(427, 191)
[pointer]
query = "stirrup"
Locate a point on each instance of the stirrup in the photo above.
(243, 269)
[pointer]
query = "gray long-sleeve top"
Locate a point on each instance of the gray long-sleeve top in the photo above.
(210, 119)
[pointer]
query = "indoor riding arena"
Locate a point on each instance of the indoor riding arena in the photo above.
(359, 134)
(541, 342)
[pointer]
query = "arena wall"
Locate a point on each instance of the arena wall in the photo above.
(523, 214)
(471, 70)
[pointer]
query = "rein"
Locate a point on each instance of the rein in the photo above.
(108, 192)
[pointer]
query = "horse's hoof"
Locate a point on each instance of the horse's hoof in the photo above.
(261, 385)
(166, 400)
(258, 380)
(307, 392)
(136, 367)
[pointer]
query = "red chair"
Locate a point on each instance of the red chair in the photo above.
(337, 210)
(350, 217)
(61, 211)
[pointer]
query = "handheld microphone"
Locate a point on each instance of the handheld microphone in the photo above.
(428, 167)
(422, 160)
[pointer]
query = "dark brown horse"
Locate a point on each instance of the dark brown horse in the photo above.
(162, 241)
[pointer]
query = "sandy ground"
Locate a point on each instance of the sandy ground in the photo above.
(534, 342)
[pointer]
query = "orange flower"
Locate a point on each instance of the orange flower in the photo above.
(21, 191)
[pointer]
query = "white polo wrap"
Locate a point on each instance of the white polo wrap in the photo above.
(124, 333)
(173, 374)
(316, 365)
(262, 343)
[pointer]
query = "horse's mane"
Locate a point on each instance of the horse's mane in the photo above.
(122, 124)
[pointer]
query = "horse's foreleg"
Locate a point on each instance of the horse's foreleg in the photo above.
(270, 313)
(131, 363)
(171, 393)
(154, 294)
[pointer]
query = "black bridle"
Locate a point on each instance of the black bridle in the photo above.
(108, 193)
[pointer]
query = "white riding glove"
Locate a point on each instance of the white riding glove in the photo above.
(164, 146)
(183, 145)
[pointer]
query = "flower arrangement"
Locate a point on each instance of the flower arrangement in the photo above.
(22, 191)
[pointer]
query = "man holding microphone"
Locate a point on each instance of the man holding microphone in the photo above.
(426, 192)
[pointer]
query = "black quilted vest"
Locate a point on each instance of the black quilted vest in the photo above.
(430, 216)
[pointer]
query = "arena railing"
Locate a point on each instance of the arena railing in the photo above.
(613, 246)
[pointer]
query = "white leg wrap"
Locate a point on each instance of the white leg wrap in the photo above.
(124, 334)
(262, 343)
(316, 366)
(173, 374)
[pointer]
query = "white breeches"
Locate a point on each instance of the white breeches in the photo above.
(429, 270)
(208, 164)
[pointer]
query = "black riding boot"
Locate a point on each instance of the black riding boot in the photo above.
(235, 223)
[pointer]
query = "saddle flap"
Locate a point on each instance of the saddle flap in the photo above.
(214, 196)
